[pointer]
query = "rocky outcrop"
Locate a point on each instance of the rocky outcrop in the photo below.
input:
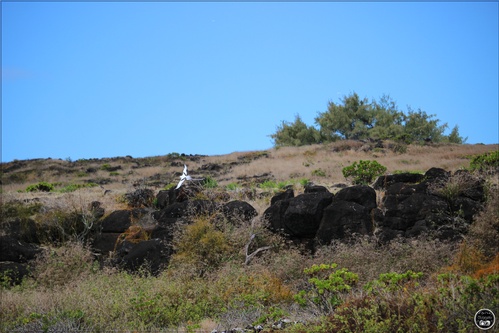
(300, 216)
(438, 202)
(348, 215)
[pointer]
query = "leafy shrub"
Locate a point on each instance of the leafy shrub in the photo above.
(209, 182)
(485, 162)
(363, 172)
(232, 186)
(326, 286)
(40, 187)
(200, 246)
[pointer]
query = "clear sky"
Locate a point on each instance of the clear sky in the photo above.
(92, 79)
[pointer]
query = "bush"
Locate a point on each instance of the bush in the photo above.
(209, 182)
(326, 286)
(40, 187)
(200, 246)
(363, 172)
(485, 162)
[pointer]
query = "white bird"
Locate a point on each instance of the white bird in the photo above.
(185, 177)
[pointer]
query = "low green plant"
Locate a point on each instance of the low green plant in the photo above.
(319, 173)
(40, 187)
(363, 172)
(209, 182)
(326, 285)
(485, 162)
(232, 186)
(392, 281)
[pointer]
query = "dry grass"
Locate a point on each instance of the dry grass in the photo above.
(70, 291)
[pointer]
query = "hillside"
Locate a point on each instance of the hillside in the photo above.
(275, 241)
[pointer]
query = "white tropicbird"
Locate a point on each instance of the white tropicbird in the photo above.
(185, 177)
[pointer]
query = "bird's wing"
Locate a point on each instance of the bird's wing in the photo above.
(180, 183)
(185, 170)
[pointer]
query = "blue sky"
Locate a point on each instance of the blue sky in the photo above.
(92, 80)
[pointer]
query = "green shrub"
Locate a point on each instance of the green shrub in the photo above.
(326, 286)
(40, 187)
(363, 172)
(485, 162)
(319, 173)
(209, 182)
(232, 186)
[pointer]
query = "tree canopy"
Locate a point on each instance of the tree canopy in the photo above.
(356, 118)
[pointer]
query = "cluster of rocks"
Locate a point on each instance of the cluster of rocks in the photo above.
(412, 204)
(409, 204)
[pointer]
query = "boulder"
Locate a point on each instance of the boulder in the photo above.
(96, 209)
(185, 209)
(300, 216)
(343, 220)
(239, 211)
(436, 174)
(23, 229)
(117, 222)
(150, 255)
(316, 189)
(288, 194)
(360, 194)
(383, 182)
(15, 250)
(104, 243)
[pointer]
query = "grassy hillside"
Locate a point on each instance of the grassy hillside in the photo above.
(416, 285)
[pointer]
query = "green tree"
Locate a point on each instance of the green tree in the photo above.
(295, 134)
(355, 118)
(388, 119)
(350, 120)
(454, 136)
(419, 126)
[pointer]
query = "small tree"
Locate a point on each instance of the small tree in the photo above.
(363, 172)
(295, 134)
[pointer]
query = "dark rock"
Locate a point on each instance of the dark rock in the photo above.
(17, 251)
(316, 189)
(466, 208)
(175, 210)
(23, 229)
(360, 194)
(150, 255)
(434, 174)
(212, 167)
(165, 198)
(186, 208)
(96, 209)
(142, 197)
(239, 211)
(302, 215)
(383, 182)
(417, 229)
(105, 242)
(344, 219)
(288, 194)
(117, 221)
